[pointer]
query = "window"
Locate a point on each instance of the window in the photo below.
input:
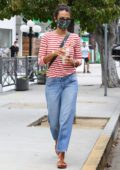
(5, 38)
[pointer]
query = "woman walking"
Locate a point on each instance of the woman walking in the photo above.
(61, 51)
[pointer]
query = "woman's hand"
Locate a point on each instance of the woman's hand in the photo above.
(55, 53)
(69, 61)
(59, 52)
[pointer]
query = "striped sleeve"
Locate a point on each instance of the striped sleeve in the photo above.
(77, 50)
(42, 50)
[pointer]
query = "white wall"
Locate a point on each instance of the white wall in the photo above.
(19, 33)
(9, 24)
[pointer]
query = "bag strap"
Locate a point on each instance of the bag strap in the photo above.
(61, 45)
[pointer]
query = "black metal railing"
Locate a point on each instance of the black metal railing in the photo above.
(11, 68)
(7, 75)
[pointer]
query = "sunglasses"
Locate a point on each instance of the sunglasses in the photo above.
(64, 19)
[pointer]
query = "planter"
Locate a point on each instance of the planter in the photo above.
(41, 79)
(22, 84)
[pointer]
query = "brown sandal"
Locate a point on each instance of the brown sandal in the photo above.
(61, 164)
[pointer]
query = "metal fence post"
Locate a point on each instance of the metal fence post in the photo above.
(0, 74)
(26, 66)
(37, 65)
(15, 68)
(105, 60)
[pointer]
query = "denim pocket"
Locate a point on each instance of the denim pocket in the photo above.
(73, 77)
(50, 81)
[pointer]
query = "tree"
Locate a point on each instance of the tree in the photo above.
(94, 15)
(91, 13)
(42, 9)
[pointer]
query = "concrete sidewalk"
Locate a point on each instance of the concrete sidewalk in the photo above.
(32, 148)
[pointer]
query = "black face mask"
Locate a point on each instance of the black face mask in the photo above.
(63, 23)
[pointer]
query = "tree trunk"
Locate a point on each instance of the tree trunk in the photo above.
(112, 76)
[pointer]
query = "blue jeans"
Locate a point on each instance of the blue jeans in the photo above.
(61, 95)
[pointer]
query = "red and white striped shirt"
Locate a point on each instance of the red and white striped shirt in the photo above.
(50, 42)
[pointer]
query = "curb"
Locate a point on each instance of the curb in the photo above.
(98, 156)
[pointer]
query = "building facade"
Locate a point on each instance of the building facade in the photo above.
(7, 33)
